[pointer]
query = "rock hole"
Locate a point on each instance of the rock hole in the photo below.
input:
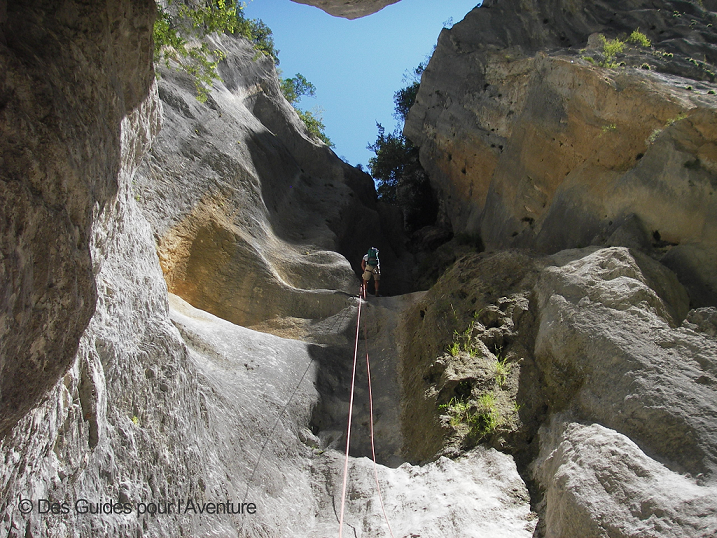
(463, 389)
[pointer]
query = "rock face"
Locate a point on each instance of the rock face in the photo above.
(603, 381)
(50, 195)
(647, 379)
(349, 9)
(249, 210)
(615, 385)
(522, 134)
(164, 403)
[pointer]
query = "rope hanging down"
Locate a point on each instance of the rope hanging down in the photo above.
(348, 433)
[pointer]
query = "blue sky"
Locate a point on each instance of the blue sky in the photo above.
(356, 65)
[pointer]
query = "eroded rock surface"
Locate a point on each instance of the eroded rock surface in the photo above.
(349, 9)
(523, 135)
(60, 146)
(598, 481)
(249, 210)
(604, 408)
(614, 386)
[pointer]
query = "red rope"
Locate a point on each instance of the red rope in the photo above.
(348, 433)
(373, 449)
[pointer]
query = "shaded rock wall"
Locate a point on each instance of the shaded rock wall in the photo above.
(522, 135)
(70, 74)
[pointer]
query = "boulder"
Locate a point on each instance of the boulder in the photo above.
(349, 9)
(598, 482)
(632, 448)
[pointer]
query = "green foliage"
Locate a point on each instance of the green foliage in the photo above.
(178, 38)
(297, 87)
(294, 89)
(481, 416)
(315, 125)
(260, 35)
(502, 370)
(611, 48)
(404, 98)
(395, 156)
(657, 132)
(639, 38)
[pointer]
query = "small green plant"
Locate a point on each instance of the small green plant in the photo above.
(458, 410)
(485, 419)
(502, 370)
(609, 127)
(610, 49)
(653, 135)
(463, 341)
(481, 417)
(589, 59)
(314, 123)
(656, 133)
(294, 89)
(639, 38)
(135, 420)
(677, 118)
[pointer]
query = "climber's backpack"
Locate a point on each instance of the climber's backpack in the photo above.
(372, 257)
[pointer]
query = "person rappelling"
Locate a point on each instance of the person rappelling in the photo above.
(371, 267)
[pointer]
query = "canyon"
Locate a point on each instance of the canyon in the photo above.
(179, 303)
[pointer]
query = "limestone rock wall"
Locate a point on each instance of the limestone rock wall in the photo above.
(523, 135)
(611, 380)
(638, 397)
(70, 74)
(249, 211)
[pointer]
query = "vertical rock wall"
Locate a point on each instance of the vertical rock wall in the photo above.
(533, 144)
(70, 73)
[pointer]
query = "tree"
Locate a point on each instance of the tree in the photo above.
(297, 87)
(294, 89)
(395, 158)
(404, 98)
